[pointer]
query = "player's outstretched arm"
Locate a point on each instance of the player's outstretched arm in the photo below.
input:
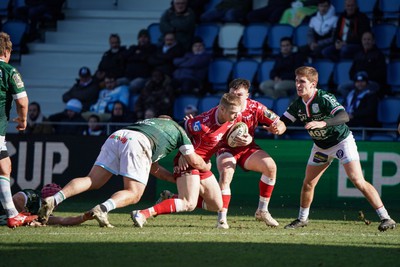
(197, 162)
(162, 173)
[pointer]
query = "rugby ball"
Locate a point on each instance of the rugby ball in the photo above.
(239, 129)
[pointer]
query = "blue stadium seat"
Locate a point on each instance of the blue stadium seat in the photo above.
(16, 29)
(208, 102)
(254, 36)
(325, 69)
(390, 8)
(300, 35)
(264, 70)
(181, 103)
(382, 137)
(389, 111)
(219, 72)
(341, 73)
(339, 5)
(245, 69)
(367, 7)
(211, 4)
(281, 104)
(266, 101)
(155, 33)
(393, 76)
(276, 32)
(384, 35)
(209, 33)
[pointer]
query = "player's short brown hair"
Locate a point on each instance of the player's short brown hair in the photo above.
(5, 43)
(237, 83)
(309, 72)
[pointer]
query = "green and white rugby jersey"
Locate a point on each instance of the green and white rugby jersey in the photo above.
(164, 135)
(321, 106)
(11, 87)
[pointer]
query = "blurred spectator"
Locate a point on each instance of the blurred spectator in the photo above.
(111, 93)
(282, 76)
(228, 11)
(321, 29)
(112, 61)
(94, 126)
(85, 89)
(191, 69)
(271, 13)
(165, 55)
(299, 11)
(181, 20)
(149, 113)
(361, 104)
(119, 115)
(371, 60)
(347, 37)
(71, 120)
(198, 7)
(137, 67)
(35, 119)
(158, 94)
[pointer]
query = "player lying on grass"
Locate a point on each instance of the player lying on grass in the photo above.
(28, 201)
(206, 131)
(131, 153)
(325, 120)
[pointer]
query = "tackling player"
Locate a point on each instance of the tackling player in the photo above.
(325, 120)
(248, 155)
(206, 131)
(133, 153)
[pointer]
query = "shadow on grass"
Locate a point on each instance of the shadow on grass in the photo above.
(194, 254)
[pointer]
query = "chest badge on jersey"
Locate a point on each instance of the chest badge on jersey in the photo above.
(315, 108)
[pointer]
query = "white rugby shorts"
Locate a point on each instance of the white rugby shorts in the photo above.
(345, 152)
(127, 153)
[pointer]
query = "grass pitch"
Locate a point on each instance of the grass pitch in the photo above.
(333, 238)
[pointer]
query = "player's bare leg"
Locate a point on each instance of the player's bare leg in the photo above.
(354, 172)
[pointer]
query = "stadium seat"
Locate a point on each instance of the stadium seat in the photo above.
(246, 69)
(3, 9)
(211, 4)
(393, 76)
(281, 104)
(341, 72)
(325, 69)
(219, 72)
(264, 70)
(384, 36)
(209, 33)
(266, 101)
(155, 33)
(367, 7)
(276, 32)
(389, 111)
(339, 5)
(382, 137)
(300, 35)
(208, 102)
(16, 29)
(181, 103)
(390, 8)
(254, 37)
(229, 37)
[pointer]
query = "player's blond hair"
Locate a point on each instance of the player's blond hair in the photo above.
(229, 99)
(5, 43)
(309, 72)
(238, 83)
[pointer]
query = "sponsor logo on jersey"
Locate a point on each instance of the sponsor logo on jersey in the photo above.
(197, 126)
(17, 80)
(320, 157)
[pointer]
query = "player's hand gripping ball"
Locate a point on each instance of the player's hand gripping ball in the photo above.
(239, 129)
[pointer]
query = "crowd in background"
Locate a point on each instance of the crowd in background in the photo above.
(155, 74)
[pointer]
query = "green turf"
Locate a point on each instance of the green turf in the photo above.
(333, 238)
